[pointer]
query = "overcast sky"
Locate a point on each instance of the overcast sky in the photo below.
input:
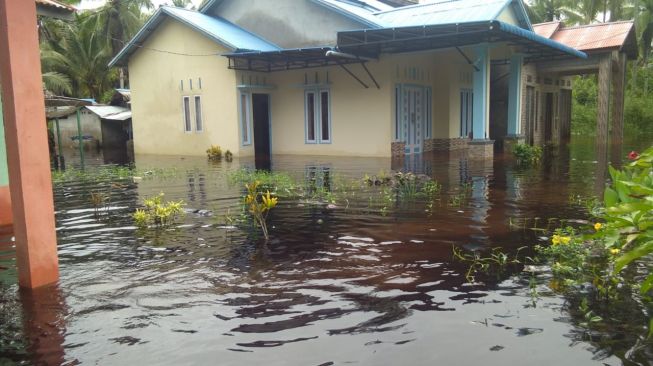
(91, 4)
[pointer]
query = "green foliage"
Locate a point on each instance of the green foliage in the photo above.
(78, 60)
(214, 153)
(629, 213)
(527, 155)
(280, 184)
(259, 205)
(157, 212)
(109, 173)
(638, 116)
(496, 261)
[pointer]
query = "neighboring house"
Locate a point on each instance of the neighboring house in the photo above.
(332, 77)
(547, 83)
(101, 126)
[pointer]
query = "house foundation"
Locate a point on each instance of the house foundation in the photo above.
(480, 149)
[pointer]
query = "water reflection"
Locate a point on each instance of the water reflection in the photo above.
(377, 285)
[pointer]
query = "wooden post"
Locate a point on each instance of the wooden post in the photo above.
(605, 76)
(27, 145)
(618, 87)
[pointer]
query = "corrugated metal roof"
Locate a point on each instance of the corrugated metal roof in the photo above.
(595, 36)
(111, 112)
(546, 30)
(447, 12)
(215, 28)
(541, 40)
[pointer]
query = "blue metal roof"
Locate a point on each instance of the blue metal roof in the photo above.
(373, 42)
(451, 11)
(523, 33)
(215, 28)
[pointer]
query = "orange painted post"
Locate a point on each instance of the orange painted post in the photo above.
(27, 145)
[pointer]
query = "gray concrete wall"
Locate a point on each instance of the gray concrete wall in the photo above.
(287, 23)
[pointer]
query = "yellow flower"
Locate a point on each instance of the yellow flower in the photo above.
(615, 251)
(268, 201)
(598, 226)
(558, 239)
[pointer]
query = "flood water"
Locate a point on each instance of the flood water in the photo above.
(353, 282)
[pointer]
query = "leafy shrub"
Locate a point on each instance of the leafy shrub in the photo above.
(527, 154)
(259, 205)
(214, 153)
(228, 156)
(157, 212)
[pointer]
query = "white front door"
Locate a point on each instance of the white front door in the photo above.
(413, 118)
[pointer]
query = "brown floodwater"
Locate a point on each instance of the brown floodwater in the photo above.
(359, 282)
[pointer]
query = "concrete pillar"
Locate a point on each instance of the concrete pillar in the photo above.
(514, 95)
(27, 145)
(6, 218)
(514, 135)
(481, 146)
(603, 108)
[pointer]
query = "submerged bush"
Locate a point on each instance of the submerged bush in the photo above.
(527, 155)
(157, 212)
(228, 156)
(214, 153)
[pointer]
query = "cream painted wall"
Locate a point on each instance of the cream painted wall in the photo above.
(360, 118)
(155, 82)
(363, 119)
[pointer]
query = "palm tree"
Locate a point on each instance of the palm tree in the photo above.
(81, 56)
(119, 20)
(545, 10)
(582, 11)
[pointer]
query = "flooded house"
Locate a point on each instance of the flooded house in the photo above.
(336, 77)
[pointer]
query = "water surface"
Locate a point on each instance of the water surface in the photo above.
(347, 283)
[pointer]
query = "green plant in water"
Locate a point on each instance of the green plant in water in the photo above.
(527, 155)
(214, 153)
(157, 212)
(496, 261)
(259, 205)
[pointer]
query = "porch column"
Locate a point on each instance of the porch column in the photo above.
(480, 146)
(514, 102)
(5, 199)
(27, 145)
(514, 96)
